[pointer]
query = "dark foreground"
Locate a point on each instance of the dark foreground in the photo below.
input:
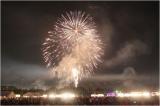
(81, 101)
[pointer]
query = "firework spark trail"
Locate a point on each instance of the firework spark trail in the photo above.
(73, 48)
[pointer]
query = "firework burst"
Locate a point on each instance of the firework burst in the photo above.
(73, 48)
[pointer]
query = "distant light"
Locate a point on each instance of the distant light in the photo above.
(52, 96)
(146, 94)
(155, 93)
(44, 96)
(124, 95)
(117, 91)
(67, 95)
(112, 94)
(25, 96)
(17, 95)
(93, 95)
(97, 95)
(135, 94)
(100, 95)
(120, 94)
(127, 95)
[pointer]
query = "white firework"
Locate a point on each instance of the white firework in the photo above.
(73, 48)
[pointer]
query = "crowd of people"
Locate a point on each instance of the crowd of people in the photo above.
(80, 101)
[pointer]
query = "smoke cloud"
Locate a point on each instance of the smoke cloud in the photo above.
(24, 75)
(128, 52)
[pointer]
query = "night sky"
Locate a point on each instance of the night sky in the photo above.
(129, 30)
